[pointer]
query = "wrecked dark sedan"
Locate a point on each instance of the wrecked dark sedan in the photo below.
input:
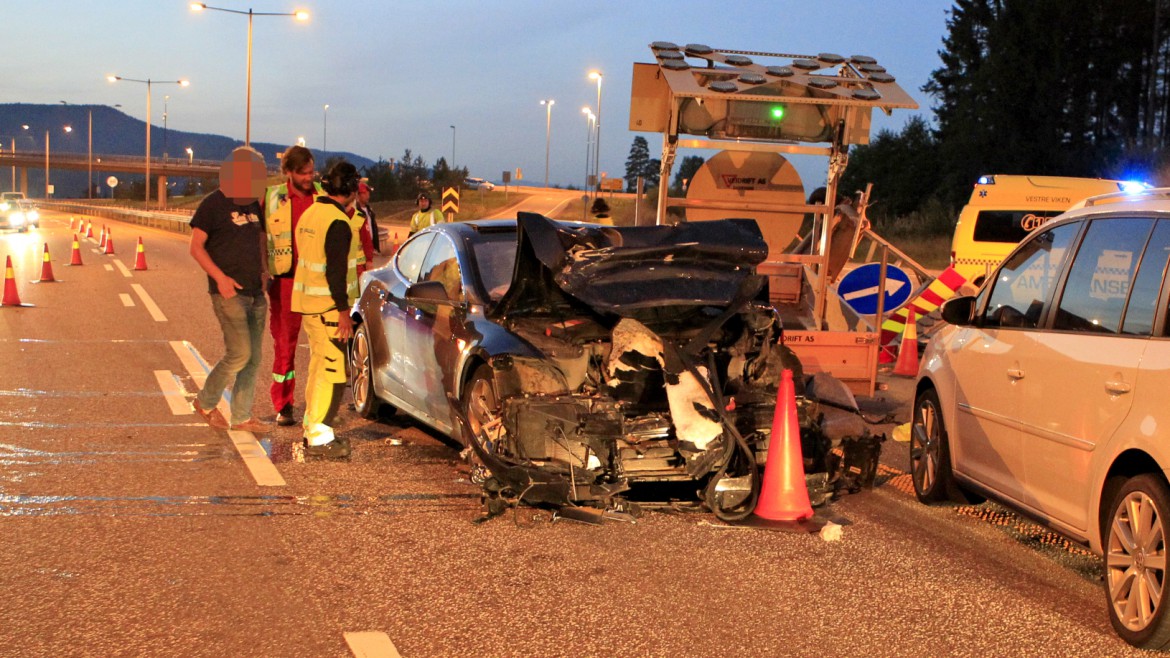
(574, 360)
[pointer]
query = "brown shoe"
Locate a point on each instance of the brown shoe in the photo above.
(254, 426)
(213, 417)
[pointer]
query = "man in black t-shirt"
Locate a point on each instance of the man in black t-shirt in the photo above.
(229, 243)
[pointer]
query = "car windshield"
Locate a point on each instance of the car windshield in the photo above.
(495, 258)
(13, 196)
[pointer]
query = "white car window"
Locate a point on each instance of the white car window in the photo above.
(1023, 283)
(1143, 301)
(1099, 278)
(410, 257)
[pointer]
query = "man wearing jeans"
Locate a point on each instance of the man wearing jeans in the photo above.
(229, 243)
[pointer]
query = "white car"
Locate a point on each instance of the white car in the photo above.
(478, 184)
(17, 212)
(1048, 393)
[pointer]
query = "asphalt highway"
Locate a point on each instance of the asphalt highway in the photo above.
(128, 527)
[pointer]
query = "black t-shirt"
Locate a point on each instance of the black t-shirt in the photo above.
(233, 240)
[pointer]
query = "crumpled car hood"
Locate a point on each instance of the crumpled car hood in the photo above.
(625, 270)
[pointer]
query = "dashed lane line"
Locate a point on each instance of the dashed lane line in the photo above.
(127, 300)
(173, 390)
(155, 311)
(257, 461)
(122, 266)
(109, 268)
(371, 644)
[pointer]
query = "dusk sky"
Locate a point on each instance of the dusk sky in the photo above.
(397, 75)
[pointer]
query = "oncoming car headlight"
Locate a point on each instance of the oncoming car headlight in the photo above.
(4, 205)
(16, 218)
(32, 216)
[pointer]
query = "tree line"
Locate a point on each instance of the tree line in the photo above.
(1041, 87)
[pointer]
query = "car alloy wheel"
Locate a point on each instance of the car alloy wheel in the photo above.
(482, 406)
(361, 370)
(1135, 562)
(930, 466)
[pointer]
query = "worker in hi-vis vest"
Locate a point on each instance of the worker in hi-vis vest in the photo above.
(283, 206)
(426, 215)
(324, 289)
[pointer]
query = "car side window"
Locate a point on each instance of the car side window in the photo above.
(1023, 283)
(442, 265)
(1099, 278)
(410, 256)
(1143, 301)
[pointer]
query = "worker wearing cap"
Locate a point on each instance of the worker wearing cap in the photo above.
(369, 230)
(324, 290)
(426, 216)
(283, 206)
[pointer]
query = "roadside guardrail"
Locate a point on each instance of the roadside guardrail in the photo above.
(178, 221)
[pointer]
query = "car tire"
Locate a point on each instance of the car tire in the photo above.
(1134, 543)
(930, 453)
(361, 375)
(481, 401)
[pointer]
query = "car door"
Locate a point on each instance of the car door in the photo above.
(1080, 375)
(395, 314)
(429, 334)
(986, 443)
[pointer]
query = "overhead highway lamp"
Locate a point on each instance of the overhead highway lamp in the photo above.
(148, 82)
(300, 15)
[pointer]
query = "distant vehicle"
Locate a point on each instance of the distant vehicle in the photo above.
(17, 212)
(1004, 209)
(478, 184)
(1047, 392)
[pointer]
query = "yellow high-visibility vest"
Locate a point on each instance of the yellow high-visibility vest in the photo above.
(310, 293)
(278, 226)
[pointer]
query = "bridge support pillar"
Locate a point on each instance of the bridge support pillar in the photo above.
(24, 180)
(162, 192)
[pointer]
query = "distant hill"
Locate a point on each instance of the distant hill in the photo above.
(114, 133)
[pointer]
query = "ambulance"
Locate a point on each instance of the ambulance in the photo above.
(1003, 209)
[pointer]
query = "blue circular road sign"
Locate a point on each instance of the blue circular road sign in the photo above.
(859, 288)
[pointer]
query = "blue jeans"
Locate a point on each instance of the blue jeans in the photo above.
(242, 320)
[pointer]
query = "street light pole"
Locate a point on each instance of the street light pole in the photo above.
(166, 100)
(589, 118)
(452, 147)
(148, 82)
(596, 75)
(325, 133)
(46, 164)
(547, 135)
(89, 158)
(300, 15)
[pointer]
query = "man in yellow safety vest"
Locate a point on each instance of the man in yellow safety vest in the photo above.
(324, 289)
(426, 215)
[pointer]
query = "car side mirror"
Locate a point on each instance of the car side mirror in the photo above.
(427, 291)
(959, 311)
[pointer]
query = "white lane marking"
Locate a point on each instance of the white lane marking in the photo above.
(127, 300)
(257, 461)
(109, 268)
(122, 266)
(174, 392)
(155, 311)
(371, 644)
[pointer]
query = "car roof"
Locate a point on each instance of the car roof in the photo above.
(1150, 201)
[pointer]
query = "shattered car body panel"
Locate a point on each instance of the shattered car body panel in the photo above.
(611, 356)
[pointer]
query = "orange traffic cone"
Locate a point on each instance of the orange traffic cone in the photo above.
(102, 241)
(784, 494)
(109, 242)
(140, 257)
(11, 296)
(46, 267)
(71, 222)
(89, 229)
(76, 258)
(907, 364)
(397, 244)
